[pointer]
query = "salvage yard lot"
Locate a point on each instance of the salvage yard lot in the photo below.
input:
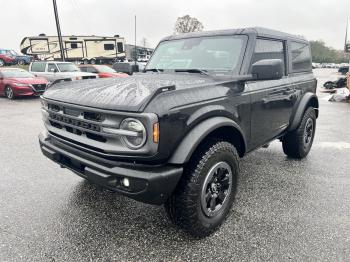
(285, 209)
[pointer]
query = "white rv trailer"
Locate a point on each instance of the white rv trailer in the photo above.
(86, 49)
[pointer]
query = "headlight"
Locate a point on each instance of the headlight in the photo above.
(138, 139)
(19, 84)
(78, 78)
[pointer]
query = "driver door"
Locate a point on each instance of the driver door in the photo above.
(271, 100)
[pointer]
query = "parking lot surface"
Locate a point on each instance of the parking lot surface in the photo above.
(285, 210)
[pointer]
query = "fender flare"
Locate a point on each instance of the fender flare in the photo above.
(191, 141)
(307, 100)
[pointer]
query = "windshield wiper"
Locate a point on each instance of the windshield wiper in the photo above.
(199, 71)
(154, 70)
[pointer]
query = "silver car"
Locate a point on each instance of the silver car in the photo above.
(54, 70)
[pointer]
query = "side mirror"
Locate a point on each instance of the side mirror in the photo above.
(268, 69)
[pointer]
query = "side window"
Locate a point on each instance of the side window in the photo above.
(51, 68)
(269, 49)
(301, 57)
(38, 67)
(109, 46)
(120, 47)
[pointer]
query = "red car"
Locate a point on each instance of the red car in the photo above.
(6, 58)
(103, 71)
(18, 82)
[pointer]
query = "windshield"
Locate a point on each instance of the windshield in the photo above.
(217, 54)
(105, 69)
(16, 74)
(67, 67)
(13, 52)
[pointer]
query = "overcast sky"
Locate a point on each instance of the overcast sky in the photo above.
(315, 19)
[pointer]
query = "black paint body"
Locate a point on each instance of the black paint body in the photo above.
(246, 111)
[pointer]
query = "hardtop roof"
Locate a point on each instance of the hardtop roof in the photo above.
(257, 31)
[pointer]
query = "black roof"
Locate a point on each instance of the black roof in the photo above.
(258, 31)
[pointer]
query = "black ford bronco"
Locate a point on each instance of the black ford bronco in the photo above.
(174, 133)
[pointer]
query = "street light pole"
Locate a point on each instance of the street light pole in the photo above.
(135, 45)
(58, 30)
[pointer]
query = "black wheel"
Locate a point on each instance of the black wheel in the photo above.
(93, 61)
(9, 92)
(297, 144)
(206, 190)
(21, 62)
(2, 63)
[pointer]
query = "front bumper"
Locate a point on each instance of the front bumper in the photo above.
(26, 91)
(148, 184)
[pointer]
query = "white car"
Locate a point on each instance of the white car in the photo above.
(54, 70)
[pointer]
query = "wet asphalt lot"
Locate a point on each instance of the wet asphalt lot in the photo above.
(285, 210)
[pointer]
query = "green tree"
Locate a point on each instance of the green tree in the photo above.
(324, 54)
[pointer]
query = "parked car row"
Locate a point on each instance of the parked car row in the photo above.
(11, 57)
(16, 82)
(328, 65)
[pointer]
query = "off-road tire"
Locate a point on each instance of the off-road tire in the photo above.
(184, 207)
(293, 143)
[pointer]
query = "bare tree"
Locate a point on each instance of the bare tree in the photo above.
(187, 24)
(144, 42)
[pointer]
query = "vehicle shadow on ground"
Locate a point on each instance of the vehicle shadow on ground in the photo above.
(112, 218)
(20, 99)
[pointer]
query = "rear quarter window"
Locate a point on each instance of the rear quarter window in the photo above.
(38, 67)
(301, 57)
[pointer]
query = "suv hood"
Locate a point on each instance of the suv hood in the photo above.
(124, 94)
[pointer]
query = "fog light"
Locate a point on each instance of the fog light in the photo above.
(126, 182)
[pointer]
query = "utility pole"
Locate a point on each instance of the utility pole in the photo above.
(135, 45)
(58, 29)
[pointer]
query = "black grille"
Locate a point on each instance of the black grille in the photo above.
(54, 108)
(89, 77)
(74, 122)
(39, 88)
(93, 116)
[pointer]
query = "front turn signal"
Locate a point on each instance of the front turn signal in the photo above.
(156, 132)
